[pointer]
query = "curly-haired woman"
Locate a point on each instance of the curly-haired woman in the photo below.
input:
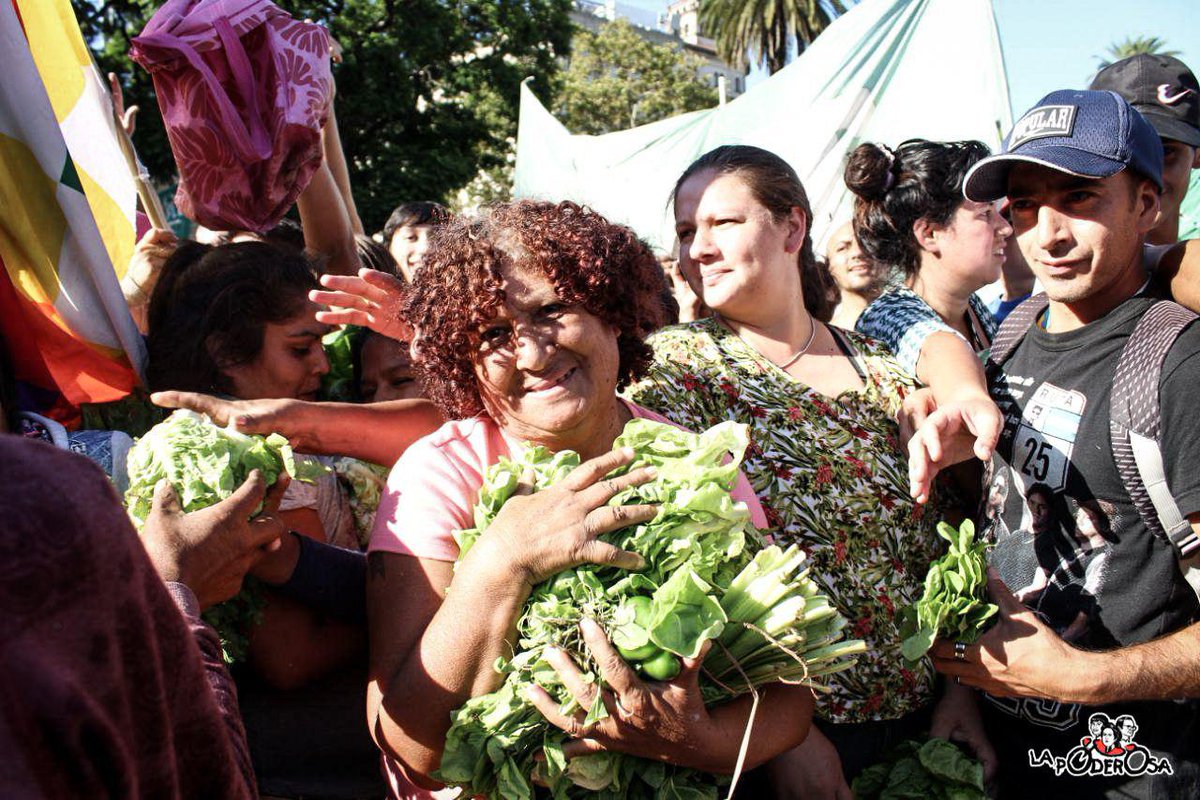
(529, 320)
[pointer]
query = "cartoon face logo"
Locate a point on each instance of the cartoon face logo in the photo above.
(1127, 727)
(1095, 725)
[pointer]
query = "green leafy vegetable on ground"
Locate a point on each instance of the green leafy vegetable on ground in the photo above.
(708, 576)
(954, 603)
(935, 769)
(206, 463)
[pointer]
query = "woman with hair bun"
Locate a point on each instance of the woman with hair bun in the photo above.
(825, 458)
(910, 216)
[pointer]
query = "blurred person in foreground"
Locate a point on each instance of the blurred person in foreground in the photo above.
(113, 686)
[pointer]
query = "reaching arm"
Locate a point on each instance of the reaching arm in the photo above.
(335, 157)
(321, 428)
(966, 421)
(326, 223)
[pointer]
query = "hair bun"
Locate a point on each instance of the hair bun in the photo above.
(869, 171)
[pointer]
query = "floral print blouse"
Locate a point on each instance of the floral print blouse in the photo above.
(833, 478)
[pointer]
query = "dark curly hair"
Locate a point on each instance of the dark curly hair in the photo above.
(592, 263)
(776, 187)
(893, 189)
(209, 307)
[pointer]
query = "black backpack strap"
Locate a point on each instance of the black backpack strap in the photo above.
(1013, 329)
(1134, 424)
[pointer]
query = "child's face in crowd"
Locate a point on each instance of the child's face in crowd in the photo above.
(1082, 237)
(387, 371)
(290, 363)
(972, 245)
(408, 246)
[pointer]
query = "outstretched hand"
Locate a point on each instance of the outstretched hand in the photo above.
(211, 550)
(372, 299)
(947, 435)
(263, 417)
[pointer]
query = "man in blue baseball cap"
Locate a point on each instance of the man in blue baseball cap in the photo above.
(1106, 621)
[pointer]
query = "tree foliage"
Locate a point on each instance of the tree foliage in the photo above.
(765, 28)
(1134, 46)
(427, 93)
(617, 79)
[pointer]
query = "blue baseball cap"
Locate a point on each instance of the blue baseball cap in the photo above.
(1085, 133)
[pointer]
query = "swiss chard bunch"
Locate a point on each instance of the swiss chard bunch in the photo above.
(205, 464)
(708, 576)
(936, 769)
(954, 603)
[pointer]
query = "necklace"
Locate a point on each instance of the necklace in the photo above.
(812, 334)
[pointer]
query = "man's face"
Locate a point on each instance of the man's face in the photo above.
(1128, 730)
(1082, 237)
(1179, 160)
(851, 271)
(1039, 508)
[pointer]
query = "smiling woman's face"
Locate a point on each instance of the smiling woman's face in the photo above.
(547, 371)
(290, 363)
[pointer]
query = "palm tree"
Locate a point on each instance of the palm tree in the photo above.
(1133, 46)
(765, 28)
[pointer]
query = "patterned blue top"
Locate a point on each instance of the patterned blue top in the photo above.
(902, 321)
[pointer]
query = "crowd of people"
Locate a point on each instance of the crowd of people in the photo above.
(883, 395)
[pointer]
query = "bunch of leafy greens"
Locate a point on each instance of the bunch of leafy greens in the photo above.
(341, 346)
(937, 769)
(707, 576)
(954, 604)
(364, 483)
(205, 464)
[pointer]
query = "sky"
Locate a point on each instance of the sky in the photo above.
(1054, 44)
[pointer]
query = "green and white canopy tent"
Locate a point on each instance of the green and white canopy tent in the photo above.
(887, 70)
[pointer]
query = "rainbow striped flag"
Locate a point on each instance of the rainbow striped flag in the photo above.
(67, 206)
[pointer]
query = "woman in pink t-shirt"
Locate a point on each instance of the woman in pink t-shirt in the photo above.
(529, 320)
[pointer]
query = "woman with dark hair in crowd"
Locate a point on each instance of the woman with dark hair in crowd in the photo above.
(525, 333)
(910, 216)
(236, 320)
(825, 458)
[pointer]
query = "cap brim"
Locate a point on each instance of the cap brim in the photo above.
(988, 179)
(1172, 128)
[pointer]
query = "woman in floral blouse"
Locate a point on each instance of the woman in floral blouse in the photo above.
(825, 457)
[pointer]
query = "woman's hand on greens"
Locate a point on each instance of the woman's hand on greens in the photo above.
(372, 299)
(664, 721)
(539, 535)
(812, 771)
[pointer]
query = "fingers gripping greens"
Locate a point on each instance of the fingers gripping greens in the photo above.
(954, 604)
(708, 576)
(205, 464)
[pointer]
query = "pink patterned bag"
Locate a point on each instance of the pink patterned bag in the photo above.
(244, 91)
